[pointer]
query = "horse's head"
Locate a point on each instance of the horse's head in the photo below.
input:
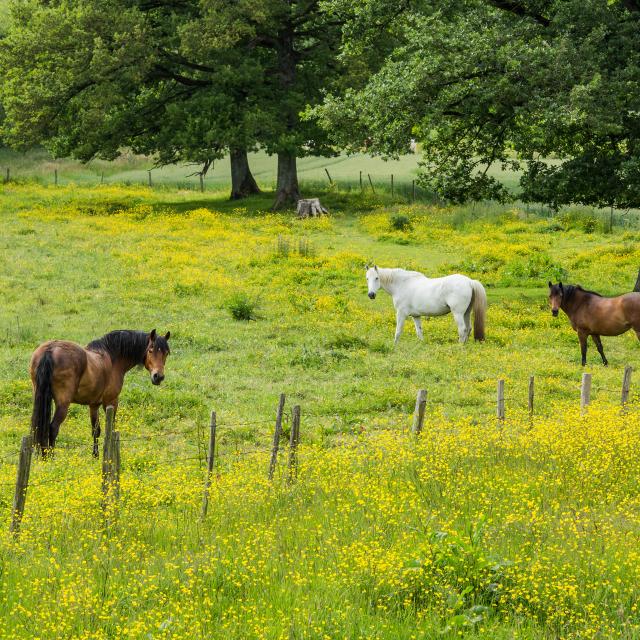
(373, 280)
(556, 293)
(156, 355)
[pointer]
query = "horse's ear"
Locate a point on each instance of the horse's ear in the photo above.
(152, 335)
(550, 284)
(560, 285)
(167, 335)
(366, 267)
(375, 266)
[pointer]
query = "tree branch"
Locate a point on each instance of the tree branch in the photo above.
(518, 9)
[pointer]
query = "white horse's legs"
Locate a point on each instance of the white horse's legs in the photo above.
(400, 318)
(462, 326)
(467, 323)
(417, 321)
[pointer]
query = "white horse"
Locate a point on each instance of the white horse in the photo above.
(416, 295)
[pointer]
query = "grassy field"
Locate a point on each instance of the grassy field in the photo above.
(527, 530)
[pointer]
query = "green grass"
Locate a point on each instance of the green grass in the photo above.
(76, 262)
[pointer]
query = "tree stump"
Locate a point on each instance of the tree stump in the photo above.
(310, 208)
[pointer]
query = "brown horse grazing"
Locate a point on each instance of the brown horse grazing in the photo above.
(594, 315)
(66, 372)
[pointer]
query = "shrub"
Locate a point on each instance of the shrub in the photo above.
(242, 308)
(400, 222)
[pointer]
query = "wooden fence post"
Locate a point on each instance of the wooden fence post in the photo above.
(531, 394)
(276, 437)
(500, 404)
(626, 384)
(210, 458)
(107, 455)
(413, 191)
(294, 439)
(361, 187)
(22, 482)
(371, 183)
(328, 176)
(150, 182)
(116, 465)
(55, 177)
(392, 185)
(585, 392)
(102, 178)
(8, 175)
(418, 414)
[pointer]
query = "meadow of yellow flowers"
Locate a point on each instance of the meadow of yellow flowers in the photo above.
(526, 528)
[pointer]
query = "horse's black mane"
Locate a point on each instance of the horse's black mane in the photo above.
(127, 345)
(569, 290)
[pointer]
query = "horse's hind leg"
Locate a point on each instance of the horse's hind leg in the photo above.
(59, 416)
(467, 322)
(95, 427)
(462, 327)
(598, 342)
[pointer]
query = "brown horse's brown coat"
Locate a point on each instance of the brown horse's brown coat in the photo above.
(593, 315)
(91, 376)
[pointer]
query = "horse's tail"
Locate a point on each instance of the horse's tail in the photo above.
(479, 303)
(42, 397)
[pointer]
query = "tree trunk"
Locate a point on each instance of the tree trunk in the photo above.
(637, 287)
(243, 183)
(287, 190)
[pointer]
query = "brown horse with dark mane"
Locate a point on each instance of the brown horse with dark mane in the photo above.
(66, 372)
(594, 315)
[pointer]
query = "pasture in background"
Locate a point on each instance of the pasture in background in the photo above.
(481, 527)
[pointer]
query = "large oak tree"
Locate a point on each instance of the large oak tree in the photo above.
(550, 88)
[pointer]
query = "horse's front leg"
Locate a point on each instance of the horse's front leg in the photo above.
(582, 336)
(418, 322)
(94, 413)
(401, 316)
(598, 342)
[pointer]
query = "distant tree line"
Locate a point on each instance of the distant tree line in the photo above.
(547, 88)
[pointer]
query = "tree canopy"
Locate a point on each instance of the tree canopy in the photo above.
(550, 88)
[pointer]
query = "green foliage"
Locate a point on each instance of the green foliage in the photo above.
(400, 222)
(241, 307)
(486, 84)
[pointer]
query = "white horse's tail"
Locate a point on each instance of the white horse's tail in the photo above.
(479, 302)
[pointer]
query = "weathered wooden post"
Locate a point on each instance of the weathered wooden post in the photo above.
(392, 185)
(361, 187)
(102, 178)
(107, 455)
(626, 384)
(500, 404)
(210, 458)
(585, 392)
(294, 439)
(531, 394)
(371, 183)
(328, 175)
(55, 177)
(276, 437)
(150, 182)
(22, 482)
(418, 414)
(116, 465)
(8, 176)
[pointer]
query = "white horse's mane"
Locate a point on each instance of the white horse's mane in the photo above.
(387, 276)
